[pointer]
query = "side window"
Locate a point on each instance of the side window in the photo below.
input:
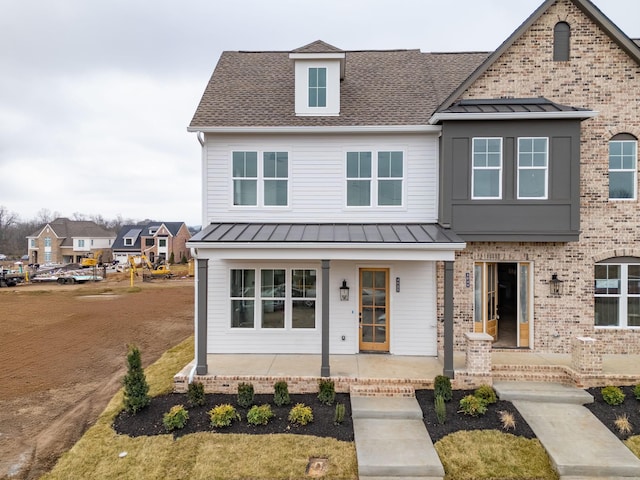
(623, 150)
(561, 42)
(486, 169)
(617, 294)
(245, 178)
(243, 292)
(358, 179)
(533, 167)
(276, 173)
(390, 174)
(317, 87)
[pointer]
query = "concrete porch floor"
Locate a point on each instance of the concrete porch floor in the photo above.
(392, 366)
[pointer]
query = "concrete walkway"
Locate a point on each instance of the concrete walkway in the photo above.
(579, 446)
(392, 441)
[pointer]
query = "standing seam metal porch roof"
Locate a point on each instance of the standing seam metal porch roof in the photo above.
(356, 233)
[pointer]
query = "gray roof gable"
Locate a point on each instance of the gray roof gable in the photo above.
(380, 88)
(317, 47)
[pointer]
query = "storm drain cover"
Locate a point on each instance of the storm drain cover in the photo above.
(317, 467)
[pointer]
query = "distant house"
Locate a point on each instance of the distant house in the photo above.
(67, 241)
(156, 240)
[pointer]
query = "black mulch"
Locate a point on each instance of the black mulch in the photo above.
(458, 421)
(607, 414)
(148, 421)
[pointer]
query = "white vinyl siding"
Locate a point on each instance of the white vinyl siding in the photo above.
(412, 310)
(316, 178)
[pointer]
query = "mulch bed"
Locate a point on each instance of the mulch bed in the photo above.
(148, 421)
(458, 421)
(607, 414)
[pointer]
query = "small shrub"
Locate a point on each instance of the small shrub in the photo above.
(195, 394)
(281, 394)
(338, 417)
(175, 418)
(636, 391)
(623, 424)
(612, 395)
(486, 393)
(245, 394)
(136, 388)
(442, 387)
(259, 415)
(440, 408)
(327, 391)
(472, 405)
(223, 415)
(507, 419)
(301, 414)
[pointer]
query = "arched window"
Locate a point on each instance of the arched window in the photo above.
(561, 36)
(623, 160)
(617, 292)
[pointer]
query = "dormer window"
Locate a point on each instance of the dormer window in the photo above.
(318, 69)
(317, 87)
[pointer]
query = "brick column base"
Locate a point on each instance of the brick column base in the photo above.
(585, 357)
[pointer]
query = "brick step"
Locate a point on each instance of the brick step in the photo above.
(382, 391)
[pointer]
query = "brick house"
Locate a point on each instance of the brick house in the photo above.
(157, 240)
(67, 241)
(394, 201)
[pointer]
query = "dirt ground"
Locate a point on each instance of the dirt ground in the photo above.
(63, 356)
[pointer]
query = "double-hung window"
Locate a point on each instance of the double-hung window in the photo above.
(617, 295)
(263, 183)
(318, 87)
(358, 179)
(81, 243)
(622, 168)
(533, 167)
(486, 169)
(245, 178)
(273, 298)
(378, 184)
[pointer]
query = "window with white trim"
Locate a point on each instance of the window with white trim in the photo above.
(47, 241)
(317, 87)
(622, 167)
(379, 184)
(486, 172)
(81, 243)
(128, 241)
(533, 167)
(285, 299)
(260, 184)
(617, 295)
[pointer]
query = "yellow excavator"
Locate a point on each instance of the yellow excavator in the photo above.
(149, 271)
(92, 259)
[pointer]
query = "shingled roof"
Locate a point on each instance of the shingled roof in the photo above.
(389, 87)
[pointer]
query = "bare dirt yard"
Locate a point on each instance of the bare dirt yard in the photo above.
(63, 356)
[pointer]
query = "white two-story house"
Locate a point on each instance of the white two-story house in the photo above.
(320, 174)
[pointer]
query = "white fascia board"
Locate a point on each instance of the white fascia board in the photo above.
(439, 117)
(317, 56)
(334, 251)
(328, 129)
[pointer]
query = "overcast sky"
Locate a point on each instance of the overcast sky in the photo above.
(96, 96)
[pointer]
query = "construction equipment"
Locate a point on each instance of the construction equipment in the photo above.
(92, 259)
(149, 271)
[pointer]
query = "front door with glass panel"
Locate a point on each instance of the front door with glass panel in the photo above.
(502, 302)
(374, 309)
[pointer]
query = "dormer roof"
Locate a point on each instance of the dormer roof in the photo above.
(317, 47)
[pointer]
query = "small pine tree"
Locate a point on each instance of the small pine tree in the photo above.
(171, 258)
(136, 388)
